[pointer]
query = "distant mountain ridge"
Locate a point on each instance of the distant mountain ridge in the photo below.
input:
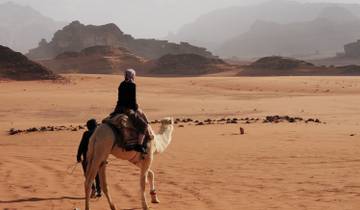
(212, 30)
(22, 27)
(323, 36)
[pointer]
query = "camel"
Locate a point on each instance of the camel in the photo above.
(101, 145)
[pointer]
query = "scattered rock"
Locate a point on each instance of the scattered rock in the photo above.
(242, 131)
(13, 131)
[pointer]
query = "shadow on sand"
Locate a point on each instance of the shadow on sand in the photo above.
(41, 199)
(33, 199)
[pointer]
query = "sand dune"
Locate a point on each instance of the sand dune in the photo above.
(273, 166)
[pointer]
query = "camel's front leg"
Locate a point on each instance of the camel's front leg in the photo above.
(151, 178)
(143, 175)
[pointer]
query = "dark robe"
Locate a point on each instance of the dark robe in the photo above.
(126, 104)
(126, 97)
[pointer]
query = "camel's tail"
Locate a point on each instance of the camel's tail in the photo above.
(90, 153)
(163, 139)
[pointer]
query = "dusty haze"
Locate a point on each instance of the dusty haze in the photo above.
(141, 18)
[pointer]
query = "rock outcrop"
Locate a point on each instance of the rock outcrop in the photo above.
(277, 66)
(15, 66)
(186, 64)
(279, 63)
(95, 60)
(76, 37)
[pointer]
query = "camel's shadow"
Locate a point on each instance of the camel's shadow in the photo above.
(35, 199)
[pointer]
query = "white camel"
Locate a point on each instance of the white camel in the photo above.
(101, 145)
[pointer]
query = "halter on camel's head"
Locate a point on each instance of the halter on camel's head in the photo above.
(167, 121)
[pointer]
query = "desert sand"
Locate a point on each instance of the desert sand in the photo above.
(273, 166)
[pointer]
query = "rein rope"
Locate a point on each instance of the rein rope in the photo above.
(70, 170)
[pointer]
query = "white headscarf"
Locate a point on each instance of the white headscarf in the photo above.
(130, 75)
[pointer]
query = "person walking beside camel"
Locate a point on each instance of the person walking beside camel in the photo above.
(82, 151)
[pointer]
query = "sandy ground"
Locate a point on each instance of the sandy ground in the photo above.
(274, 166)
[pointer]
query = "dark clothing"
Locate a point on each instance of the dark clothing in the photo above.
(126, 104)
(126, 97)
(83, 147)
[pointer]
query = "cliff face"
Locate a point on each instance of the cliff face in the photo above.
(352, 50)
(15, 66)
(76, 37)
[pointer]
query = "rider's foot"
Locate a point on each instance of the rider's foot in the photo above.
(140, 148)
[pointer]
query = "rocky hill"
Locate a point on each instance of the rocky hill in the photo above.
(76, 37)
(15, 66)
(95, 60)
(186, 64)
(21, 27)
(279, 63)
(281, 66)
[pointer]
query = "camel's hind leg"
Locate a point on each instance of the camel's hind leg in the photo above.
(104, 186)
(92, 169)
(151, 178)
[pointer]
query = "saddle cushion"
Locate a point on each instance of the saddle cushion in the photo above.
(126, 129)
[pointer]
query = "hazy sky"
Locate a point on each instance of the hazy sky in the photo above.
(141, 18)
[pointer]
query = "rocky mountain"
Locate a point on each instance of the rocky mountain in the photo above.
(15, 66)
(213, 29)
(320, 37)
(22, 27)
(76, 37)
(95, 60)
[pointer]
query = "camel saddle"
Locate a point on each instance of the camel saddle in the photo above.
(125, 133)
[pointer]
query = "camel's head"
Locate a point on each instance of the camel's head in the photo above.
(167, 121)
